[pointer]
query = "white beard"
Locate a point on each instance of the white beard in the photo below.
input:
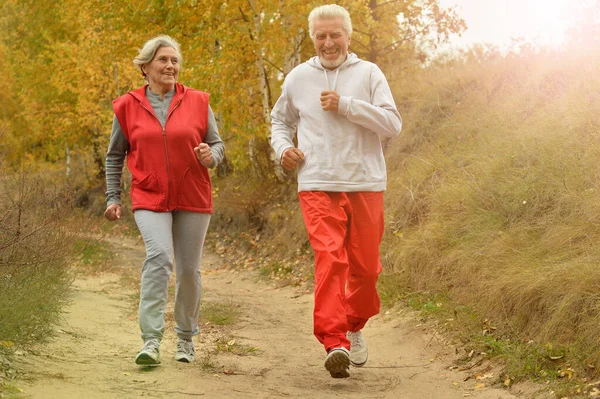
(333, 64)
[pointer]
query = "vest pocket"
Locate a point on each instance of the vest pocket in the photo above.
(194, 191)
(146, 192)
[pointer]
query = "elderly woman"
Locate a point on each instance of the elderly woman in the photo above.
(168, 134)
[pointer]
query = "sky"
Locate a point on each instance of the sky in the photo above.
(498, 21)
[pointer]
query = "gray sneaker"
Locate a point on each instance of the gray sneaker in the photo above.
(185, 351)
(358, 349)
(337, 362)
(149, 353)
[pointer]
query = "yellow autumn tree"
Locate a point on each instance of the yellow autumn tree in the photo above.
(8, 109)
(71, 58)
(27, 29)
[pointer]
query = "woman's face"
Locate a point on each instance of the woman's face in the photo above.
(163, 70)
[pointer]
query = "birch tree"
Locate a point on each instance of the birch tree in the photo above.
(70, 59)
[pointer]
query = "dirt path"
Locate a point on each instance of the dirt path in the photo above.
(92, 355)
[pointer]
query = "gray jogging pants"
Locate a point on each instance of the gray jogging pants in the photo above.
(167, 234)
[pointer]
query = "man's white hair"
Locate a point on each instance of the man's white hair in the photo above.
(329, 11)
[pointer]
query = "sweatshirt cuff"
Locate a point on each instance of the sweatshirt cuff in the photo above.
(214, 161)
(282, 150)
(344, 105)
(111, 201)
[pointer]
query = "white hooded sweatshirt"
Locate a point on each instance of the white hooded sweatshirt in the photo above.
(342, 151)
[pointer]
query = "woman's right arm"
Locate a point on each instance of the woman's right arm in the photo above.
(115, 159)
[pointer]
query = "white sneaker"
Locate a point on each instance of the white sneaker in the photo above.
(337, 362)
(185, 351)
(358, 349)
(149, 353)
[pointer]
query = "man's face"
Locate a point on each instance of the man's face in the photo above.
(331, 42)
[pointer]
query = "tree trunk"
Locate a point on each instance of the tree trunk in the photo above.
(373, 41)
(98, 155)
(68, 168)
(291, 60)
(264, 91)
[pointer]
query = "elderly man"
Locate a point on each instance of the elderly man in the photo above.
(340, 106)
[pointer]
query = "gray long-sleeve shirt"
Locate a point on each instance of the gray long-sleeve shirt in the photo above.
(119, 146)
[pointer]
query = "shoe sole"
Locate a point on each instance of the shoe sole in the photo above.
(354, 364)
(145, 360)
(337, 363)
(185, 359)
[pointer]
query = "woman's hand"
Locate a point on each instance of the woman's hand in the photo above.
(113, 212)
(204, 154)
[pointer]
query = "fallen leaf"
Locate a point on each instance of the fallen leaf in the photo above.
(484, 376)
(566, 373)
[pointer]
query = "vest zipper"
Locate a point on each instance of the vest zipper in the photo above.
(164, 133)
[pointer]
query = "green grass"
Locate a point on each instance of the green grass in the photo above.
(207, 362)
(9, 390)
(391, 289)
(93, 252)
(276, 270)
(219, 313)
(229, 344)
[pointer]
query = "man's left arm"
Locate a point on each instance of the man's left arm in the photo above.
(380, 114)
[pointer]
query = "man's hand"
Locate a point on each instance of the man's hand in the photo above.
(329, 100)
(113, 212)
(291, 157)
(204, 154)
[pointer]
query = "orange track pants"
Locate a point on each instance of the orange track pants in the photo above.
(344, 230)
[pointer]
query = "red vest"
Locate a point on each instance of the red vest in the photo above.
(166, 175)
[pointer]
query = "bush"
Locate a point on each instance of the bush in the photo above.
(35, 256)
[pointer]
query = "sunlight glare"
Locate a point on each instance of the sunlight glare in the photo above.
(543, 22)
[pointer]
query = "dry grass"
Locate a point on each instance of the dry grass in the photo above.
(260, 224)
(494, 195)
(492, 204)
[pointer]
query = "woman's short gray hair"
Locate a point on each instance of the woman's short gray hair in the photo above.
(150, 48)
(326, 12)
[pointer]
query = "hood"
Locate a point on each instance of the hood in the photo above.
(315, 62)
(351, 59)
